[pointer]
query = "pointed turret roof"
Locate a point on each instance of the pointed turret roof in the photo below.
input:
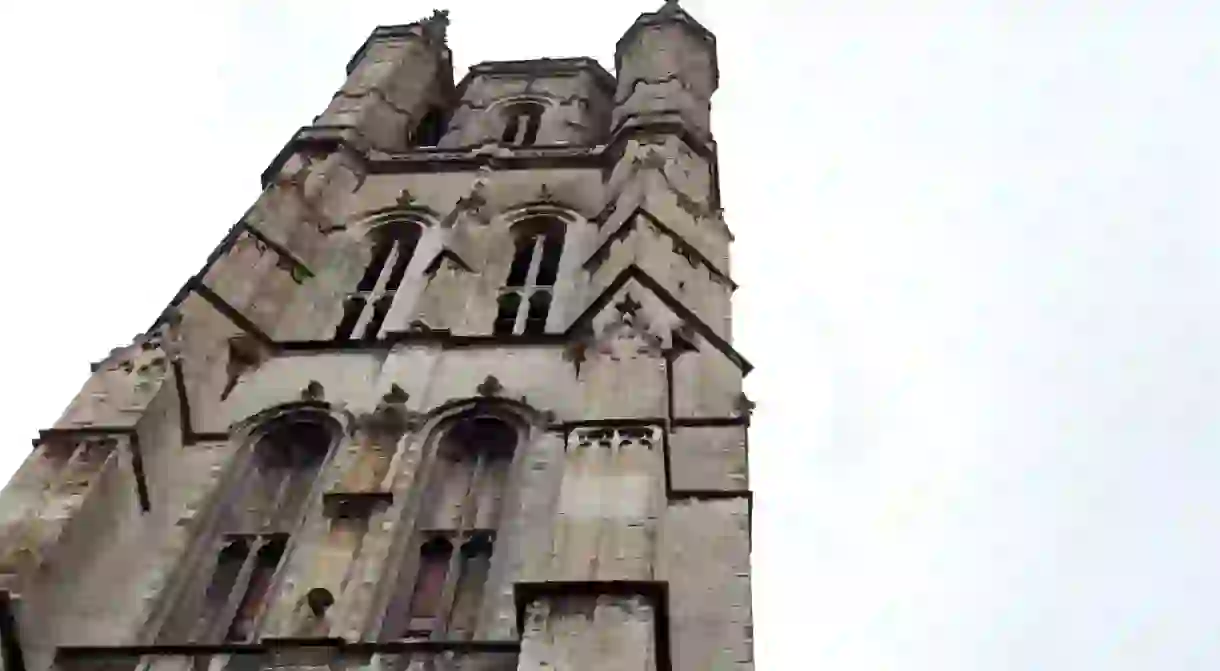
(670, 12)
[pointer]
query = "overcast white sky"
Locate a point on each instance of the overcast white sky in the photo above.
(978, 251)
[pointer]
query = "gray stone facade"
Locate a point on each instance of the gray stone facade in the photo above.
(533, 257)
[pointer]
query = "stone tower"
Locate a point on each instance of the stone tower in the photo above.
(456, 392)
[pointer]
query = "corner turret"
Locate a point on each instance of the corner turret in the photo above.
(667, 72)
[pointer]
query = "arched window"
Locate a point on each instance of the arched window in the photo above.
(228, 590)
(466, 484)
(525, 299)
(521, 123)
(429, 131)
(365, 309)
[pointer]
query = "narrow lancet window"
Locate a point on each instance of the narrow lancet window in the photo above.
(429, 131)
(224, 599)
(365, 309)
(465, 489)
(522, 122)
(525, 300)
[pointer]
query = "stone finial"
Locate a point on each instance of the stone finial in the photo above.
(391, 416)
(404, 199)
(490, 386)
(313, 391)
(435, 26)
(545, 195)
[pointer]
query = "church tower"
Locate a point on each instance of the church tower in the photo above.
(456, 392)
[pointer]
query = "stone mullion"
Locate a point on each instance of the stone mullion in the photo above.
(523, 126)
(370, 301)
(237, 594)
(531, 282)
(466, 518)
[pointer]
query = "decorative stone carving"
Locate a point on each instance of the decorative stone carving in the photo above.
(490, 386)
(313, 391)
(626, 335)
(627, 306)
(620, 437)
(245, 354)
(391, 418)
(435, 26)
(650, 159)
(545, 195)
(405, 199)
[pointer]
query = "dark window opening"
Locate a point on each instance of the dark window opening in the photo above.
(522, 122)
(521, 261)
(353, 307)
(224, 599)
(393, 249)
(257, 591)
(380, 310)
(429, 131)
(224, 577)
(472, 577)
(548, 271)
(535, 321)
(372, 272)
(506, 318)
(510, 128)
(405, 250)
(429, 587)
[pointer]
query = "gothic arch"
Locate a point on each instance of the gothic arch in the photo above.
(520, 117)
(364, 222)
(390, 238)
(471, 455)
(222, 594)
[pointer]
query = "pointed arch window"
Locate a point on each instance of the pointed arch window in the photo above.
(365, 309)
(228, 590)
(442, 596)
(525, 299)
(429, 131)
(522, 121)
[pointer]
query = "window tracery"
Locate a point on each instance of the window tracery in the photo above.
(525, 299)
(455, 536)
(365, 309)
(521, 123)
(227, 593)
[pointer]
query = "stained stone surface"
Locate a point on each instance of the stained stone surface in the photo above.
(630, 464)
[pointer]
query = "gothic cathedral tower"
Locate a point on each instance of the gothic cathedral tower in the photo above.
(456, 392)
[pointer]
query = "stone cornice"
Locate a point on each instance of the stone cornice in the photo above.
(398, 31)
(538, 68)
